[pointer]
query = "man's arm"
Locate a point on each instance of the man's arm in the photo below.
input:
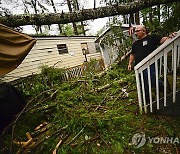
(131, 59)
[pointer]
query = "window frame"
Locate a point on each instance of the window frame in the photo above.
(62, 49)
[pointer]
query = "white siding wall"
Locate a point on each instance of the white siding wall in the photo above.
(45, 52)
(106, 56)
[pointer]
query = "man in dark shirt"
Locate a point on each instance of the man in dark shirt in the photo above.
(141, 48)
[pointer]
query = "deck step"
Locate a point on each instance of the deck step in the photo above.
(171, 109)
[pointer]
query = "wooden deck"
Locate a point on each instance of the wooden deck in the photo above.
(172, 109)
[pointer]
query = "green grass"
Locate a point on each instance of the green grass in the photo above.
(93, 121)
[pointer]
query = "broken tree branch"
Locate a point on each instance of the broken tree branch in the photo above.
(57, 146)
(60, 143)
(109, 85)
(87, 141)
(76, 135)
(101, 102)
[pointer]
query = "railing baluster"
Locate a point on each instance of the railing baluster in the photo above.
(165, 76)
(157, 82)
(138, 90)
(172, 58)
(178, 56)
(174, 71)
(149, 82)
(143, 91)
(160, 67)
(178, 52)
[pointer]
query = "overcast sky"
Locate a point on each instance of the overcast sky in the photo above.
(94, 26)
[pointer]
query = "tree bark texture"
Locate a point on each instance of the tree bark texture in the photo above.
(54, 8)
(74, 24)
(82, 15)
(82, 24)
(137, 18)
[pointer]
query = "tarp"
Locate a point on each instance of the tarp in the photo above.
(14, 47)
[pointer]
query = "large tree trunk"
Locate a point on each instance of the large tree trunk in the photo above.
(34, 4)
(74, 24)
(125, 19)
(159, 13)
(131, 18)
(151, 15)
(82, 15)
(27, 11)
(137, 18)
(54, 8)
(82, 24)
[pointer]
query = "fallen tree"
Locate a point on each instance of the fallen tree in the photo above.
(72, 117)
(81, 15)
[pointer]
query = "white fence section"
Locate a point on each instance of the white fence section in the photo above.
(79, 70)
(166, 59)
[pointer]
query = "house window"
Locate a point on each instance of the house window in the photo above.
(62, 48)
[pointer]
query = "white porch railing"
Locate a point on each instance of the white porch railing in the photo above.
(162, 63)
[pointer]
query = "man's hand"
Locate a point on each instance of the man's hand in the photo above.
(167, 37)
(172, 35)
(131, 59)
(129, 67)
